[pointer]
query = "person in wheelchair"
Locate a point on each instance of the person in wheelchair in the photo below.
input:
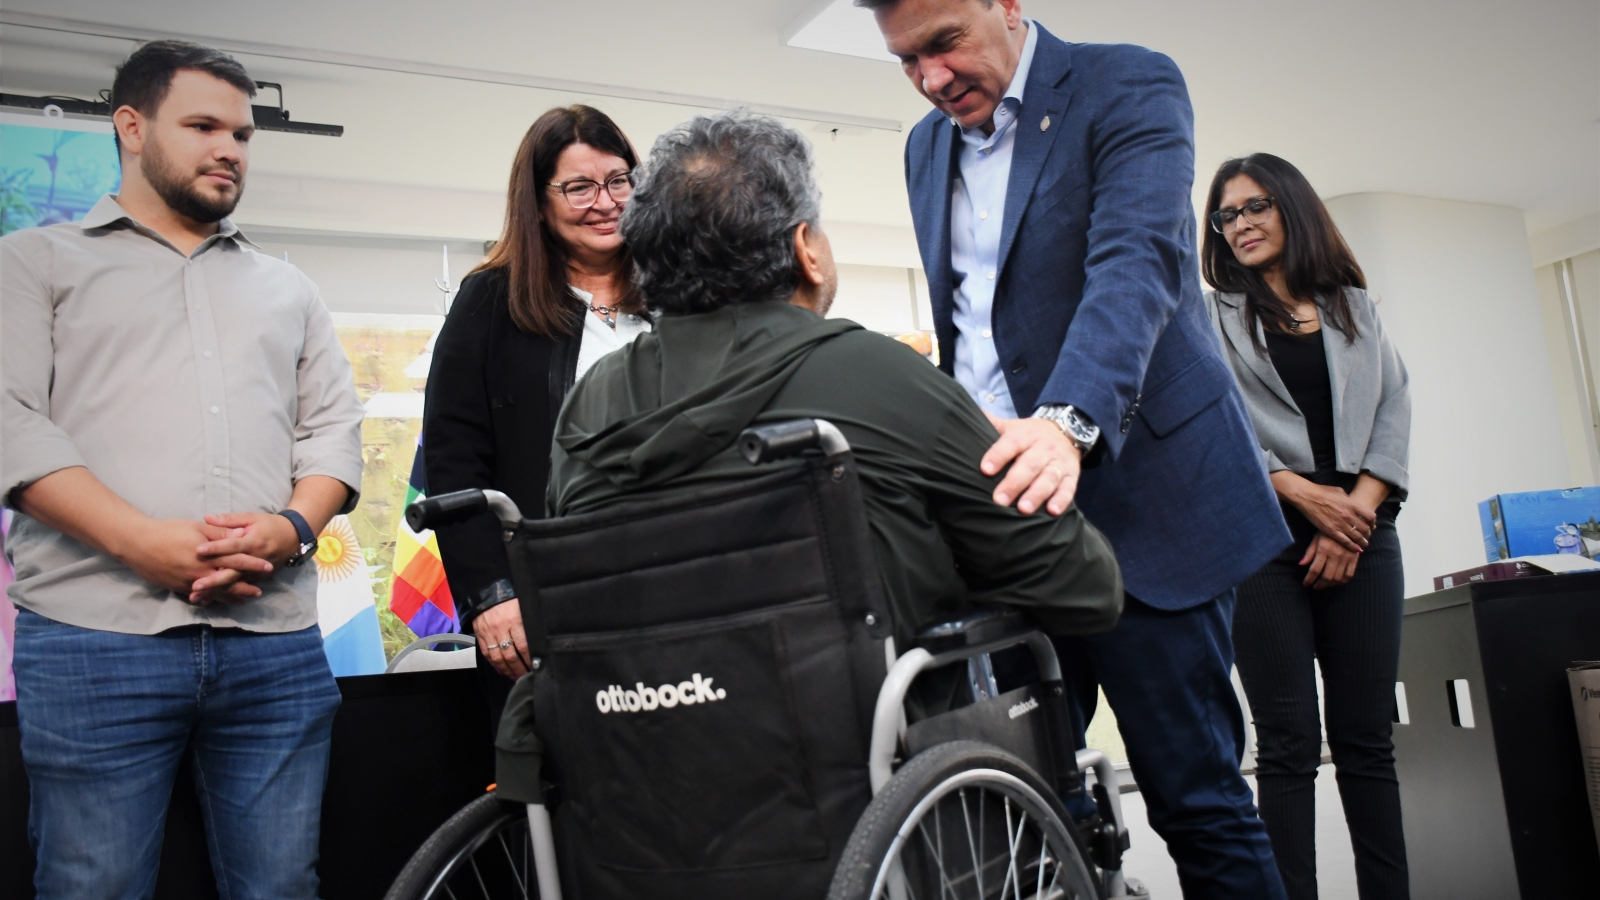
(729, 252)
(764, 525)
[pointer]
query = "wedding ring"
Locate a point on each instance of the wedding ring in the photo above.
(1059, 474)
(505, 644)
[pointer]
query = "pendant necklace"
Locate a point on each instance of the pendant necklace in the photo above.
(608, 313)
(1295, 322)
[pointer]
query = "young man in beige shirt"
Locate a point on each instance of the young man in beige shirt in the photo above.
(177, 424)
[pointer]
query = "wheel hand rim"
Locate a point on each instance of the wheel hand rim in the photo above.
(1017, 795)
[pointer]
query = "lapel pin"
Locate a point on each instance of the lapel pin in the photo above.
(1045, 125)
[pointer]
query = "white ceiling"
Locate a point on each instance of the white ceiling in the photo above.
(1473, 100)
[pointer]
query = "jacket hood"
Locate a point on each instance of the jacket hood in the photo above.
(687, 390)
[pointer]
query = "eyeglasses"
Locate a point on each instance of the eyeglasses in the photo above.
(1254, 212)
(581, 193)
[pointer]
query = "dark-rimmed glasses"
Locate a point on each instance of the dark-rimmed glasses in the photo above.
(1254, 211)
(581, 193)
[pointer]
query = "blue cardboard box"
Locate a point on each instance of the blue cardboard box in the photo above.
(1539, 522)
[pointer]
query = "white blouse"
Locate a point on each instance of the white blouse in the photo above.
(600, 338)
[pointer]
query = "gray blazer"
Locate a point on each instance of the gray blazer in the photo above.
(1371, 394)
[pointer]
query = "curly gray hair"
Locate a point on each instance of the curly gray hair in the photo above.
(712, 218)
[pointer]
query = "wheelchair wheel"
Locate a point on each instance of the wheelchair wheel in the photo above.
(964, 820)
(482, 852)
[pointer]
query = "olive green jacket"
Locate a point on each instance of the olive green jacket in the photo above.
(661, 417)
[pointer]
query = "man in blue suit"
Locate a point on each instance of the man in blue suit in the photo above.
(1050, 189)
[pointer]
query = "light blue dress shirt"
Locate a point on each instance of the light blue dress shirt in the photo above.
(977, 207)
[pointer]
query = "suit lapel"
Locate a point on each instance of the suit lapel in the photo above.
(934, 226)
(1233, 325)
(1336, 349)
(1039, 121)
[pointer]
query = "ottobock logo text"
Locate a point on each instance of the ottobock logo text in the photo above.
(618, 699)
(1023, 708)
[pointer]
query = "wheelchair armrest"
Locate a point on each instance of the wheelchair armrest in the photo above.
(459, 506)
(973, 629)
(791, 437)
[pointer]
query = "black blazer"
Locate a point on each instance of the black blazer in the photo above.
(493, 394)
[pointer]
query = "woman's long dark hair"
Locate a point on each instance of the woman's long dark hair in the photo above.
(1316, 262)
(528, 251)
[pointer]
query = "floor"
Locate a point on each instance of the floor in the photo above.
(1147, 859)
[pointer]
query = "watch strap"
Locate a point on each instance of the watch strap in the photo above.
(302, 530)
(1075, 425)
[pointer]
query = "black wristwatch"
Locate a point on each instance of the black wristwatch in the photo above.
(308, 538)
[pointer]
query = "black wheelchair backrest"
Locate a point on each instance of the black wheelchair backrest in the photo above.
(707, 671)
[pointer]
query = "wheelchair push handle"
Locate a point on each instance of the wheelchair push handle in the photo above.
(459, 506)
(793, 437)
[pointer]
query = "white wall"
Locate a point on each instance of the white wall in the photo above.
(395, 274)
(1458, 296)
(1563, 363)
(1580, 470)
(371, 275)
(883, 298)
(375, 247)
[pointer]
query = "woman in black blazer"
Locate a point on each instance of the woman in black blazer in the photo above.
(553, 295)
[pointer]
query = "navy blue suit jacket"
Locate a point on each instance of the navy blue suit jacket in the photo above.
(1098, 304)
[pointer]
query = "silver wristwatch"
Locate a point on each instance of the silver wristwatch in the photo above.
(1075, 425)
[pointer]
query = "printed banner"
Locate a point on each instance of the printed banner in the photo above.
(345, 608)
(421, 595)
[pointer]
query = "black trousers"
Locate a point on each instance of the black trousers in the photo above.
(1279, 626)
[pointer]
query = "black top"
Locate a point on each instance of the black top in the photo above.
(493, 394)
(1303, 366)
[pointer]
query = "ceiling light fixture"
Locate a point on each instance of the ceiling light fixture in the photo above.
(838, 26)
(268, 118)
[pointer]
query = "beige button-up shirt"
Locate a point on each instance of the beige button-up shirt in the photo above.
(197, 384)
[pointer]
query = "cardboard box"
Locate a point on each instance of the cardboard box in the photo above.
(1584, 678)
(1541, 522)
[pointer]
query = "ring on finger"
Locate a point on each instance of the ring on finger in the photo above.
(1059, 474)
(505, 644)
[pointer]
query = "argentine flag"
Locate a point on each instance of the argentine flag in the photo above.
(345, 608)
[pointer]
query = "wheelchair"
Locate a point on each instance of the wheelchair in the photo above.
(716, 708)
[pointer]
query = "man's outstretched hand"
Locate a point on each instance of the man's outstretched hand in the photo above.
(1044, 465)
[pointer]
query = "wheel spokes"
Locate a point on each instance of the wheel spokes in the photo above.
(479, 875)
(972, 844)
(517, 876)
(1013, 877)
(924, 864)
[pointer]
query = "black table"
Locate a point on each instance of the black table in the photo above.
(408, 751)
(1499, 809)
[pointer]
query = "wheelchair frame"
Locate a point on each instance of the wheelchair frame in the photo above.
(972, 638)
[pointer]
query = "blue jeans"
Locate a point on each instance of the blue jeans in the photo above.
(107, 717)
(1167, 677)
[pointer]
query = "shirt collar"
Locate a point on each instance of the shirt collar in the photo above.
(1019, 81)
(1006, 112)
(108, 211)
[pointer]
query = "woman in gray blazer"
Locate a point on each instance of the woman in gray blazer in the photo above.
(1328, 396)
